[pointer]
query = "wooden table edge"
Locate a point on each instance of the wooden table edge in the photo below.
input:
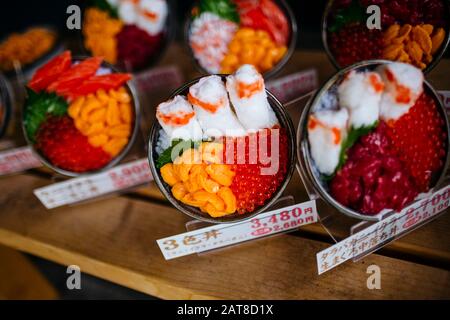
(144, 283)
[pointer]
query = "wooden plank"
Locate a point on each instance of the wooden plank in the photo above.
(430, 243)
(20, 279)
(115, 239)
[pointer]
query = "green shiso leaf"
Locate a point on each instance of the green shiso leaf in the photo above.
(353, 13)
(105, 6)
(38, 106)
(225, 9)
(352, 137)
(166, 156)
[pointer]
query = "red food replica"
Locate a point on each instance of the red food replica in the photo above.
(78, 115)
(128, 33)
(378, 140)
(412, 31)
(223, 152)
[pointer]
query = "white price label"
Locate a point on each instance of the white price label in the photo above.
(384, 231)
(18, 160)
(222, 235)
(84, 188)
(168, 77)
(294, 85)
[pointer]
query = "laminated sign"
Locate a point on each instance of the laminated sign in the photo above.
(384, 231)
(222, 235)
(87, 187)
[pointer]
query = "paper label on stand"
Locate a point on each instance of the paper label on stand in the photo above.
(84, 188)
(384, 231)
(18, 160)
(294, 85)
(168, 77)
(222, 235)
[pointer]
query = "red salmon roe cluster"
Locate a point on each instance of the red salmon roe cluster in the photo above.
(67, 148)
(135, 46)
(420, 140)
(251, 188)
(373, 178)
(354, 43)
(410, 11)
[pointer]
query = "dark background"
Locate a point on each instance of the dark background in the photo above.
(18, 14)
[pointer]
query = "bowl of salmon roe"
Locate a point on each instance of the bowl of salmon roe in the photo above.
(386, 168)
(411, 31)
(80, 115)
(254, 192)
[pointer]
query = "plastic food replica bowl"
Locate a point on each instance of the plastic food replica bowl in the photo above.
(306, 168)
(29, 68)
(6, 101)
(436, 58)
(290, 47)
(168, 35)
(285, 122)
(130, 87)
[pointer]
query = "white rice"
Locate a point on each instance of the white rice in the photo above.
(163, 142)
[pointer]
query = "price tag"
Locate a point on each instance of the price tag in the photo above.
(384, 231)
(163, 77)
(18, 160)
(84, 188)
(294, 85)
(217, 236)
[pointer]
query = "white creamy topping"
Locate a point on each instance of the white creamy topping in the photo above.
(154, 7)
(179, 106)
(247, 74)
(176, 105)
(359, 94)
(209, 89)
(148, 15)
(327, 129)
(254, 110)
(403, 86)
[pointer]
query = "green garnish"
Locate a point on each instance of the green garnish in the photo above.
(105, 6)
(181, 145)
(38, 106)
(223, 8)
(352, 137)
(353, 13)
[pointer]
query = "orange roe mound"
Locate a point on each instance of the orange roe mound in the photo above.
(420, 140)
(252, 188)
(67, 148)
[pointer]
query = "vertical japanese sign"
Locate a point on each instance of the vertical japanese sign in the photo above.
(384, 231)
(222, 235)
